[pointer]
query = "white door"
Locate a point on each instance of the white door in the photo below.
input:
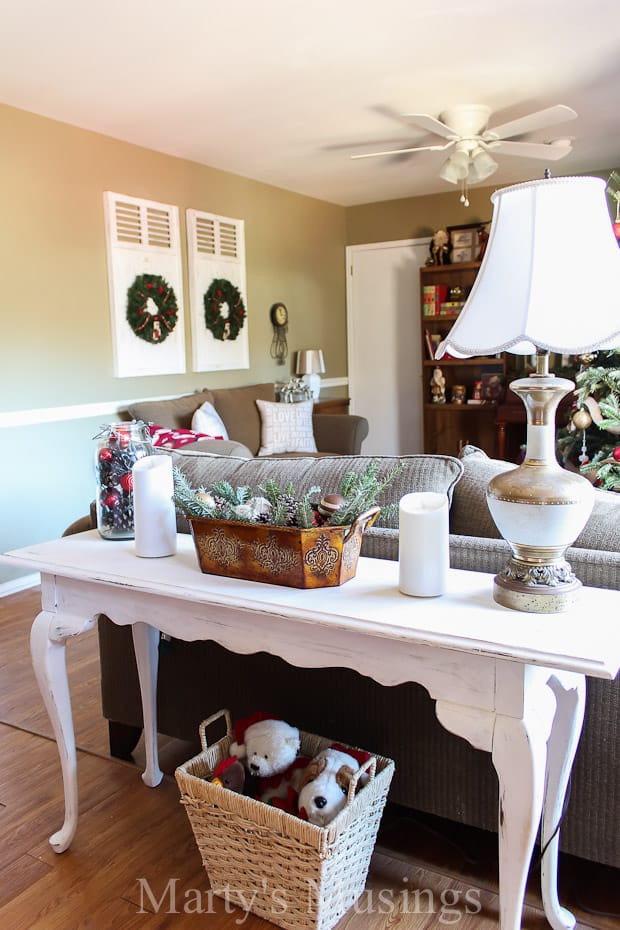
(383, 336)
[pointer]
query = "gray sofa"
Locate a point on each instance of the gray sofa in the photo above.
(436, 772)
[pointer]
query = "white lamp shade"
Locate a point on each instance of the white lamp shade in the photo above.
(549, 277)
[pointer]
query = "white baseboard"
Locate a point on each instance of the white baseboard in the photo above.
(19, 584)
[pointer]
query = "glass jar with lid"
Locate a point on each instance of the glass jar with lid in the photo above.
(118, 448)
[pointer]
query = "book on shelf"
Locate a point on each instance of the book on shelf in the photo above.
(451, 307)
(435, 292)
(433, 295)
(432, 341)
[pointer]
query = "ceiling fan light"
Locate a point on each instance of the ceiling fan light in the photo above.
(455, 168)
(482, 166)
(447, 172)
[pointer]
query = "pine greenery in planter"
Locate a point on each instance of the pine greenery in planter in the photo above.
(277, 505)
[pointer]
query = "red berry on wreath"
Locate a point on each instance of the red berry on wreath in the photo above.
(126, 481)
(616, 454)
(105, 455)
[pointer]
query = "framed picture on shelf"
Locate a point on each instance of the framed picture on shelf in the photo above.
(493, 385)
(462, 254)
(464, 242)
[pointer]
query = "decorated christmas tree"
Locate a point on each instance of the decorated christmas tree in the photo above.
(591, 440)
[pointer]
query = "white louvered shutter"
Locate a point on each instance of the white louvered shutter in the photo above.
(216, 249)
(142, 237)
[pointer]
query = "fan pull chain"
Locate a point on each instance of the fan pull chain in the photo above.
(464, 194)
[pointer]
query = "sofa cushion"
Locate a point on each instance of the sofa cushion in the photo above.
(286, 427)
(237, 408)
(420, 473)
(175, 413)
(470, 515)
(602, 531)
(207, 420)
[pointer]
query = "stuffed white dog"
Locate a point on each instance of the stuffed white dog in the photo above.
(325, 785)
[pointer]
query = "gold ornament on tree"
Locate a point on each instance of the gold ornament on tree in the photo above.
(581, 419)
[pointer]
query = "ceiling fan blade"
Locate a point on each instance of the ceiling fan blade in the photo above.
(539, 120)
(424, 121)
(419, 148)
(551, 151)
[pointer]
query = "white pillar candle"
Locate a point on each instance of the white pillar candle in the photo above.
(423, 547)
(154, 513)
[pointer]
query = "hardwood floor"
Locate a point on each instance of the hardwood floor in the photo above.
(134, 864)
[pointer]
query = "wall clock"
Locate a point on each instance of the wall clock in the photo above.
(279, 320)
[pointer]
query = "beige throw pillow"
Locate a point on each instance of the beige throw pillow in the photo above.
(286, 427)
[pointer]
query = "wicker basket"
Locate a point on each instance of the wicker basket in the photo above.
(290, 872)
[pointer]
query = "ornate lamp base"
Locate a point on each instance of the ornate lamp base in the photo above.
(539, 508)
(544, 589)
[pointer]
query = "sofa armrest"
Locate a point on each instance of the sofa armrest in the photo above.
(339, 433)
(81, 525)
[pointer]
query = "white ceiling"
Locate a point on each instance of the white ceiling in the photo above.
(284, 91)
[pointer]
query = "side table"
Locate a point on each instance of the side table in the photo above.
(511, 683)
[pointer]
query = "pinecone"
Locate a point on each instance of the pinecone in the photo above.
(123, 515)
(289, 504)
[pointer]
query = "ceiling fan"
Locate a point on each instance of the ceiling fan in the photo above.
(474, 143)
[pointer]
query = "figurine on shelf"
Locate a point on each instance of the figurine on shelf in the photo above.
(483, 238)
(458, 394)
(438, 387)
(439, 248)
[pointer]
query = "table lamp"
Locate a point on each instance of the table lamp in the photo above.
(310, 364)
(548, 283)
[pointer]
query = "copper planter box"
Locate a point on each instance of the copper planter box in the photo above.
(319, 557)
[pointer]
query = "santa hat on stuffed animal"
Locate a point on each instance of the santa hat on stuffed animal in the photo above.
(243, 723)
(266, 743)
(230, 774)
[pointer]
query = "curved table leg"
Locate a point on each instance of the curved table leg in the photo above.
(518, 745)
(520, 759)
(47, 648)
(569, 690)
(146, 645)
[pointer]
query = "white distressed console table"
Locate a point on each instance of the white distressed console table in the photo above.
(510, 683)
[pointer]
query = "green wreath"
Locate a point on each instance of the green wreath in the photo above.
(221, 292)
(152, 327)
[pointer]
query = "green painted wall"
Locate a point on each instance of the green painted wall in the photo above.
(56, 347)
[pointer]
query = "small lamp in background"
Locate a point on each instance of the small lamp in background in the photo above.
(311, 365)
(550, 242)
